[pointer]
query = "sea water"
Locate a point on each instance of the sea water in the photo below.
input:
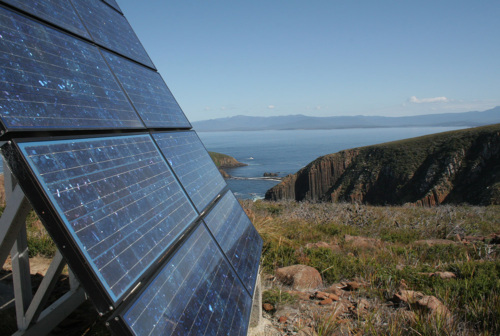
(285, 152)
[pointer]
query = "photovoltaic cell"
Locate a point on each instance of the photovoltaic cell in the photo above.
(237, 237)
(197, 293)
(149, 94)
(49, 80)
(113, 4)
(57, 12)
(117, 198)
(111, 30)
(192, 164)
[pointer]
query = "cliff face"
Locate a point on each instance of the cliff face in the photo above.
(452, 167)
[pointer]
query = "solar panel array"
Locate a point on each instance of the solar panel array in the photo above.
(133, 201)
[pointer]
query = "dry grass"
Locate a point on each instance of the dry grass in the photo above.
(473, 297)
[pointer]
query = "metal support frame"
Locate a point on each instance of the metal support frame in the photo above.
(32, 318)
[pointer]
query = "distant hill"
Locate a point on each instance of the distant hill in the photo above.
(452, 167)
(246, 123)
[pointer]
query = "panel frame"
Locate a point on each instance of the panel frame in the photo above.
(48, 214)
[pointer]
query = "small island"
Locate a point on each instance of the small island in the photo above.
(223, 161)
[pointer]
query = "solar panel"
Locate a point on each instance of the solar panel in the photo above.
(50, 80)
(192, 164)
(138, 216)
(237, 237)
(111, 30)
(113, 4)
(149, 94)
(118, 200)
(197, 293)
(58, 12)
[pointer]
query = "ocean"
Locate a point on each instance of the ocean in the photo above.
(285, 152)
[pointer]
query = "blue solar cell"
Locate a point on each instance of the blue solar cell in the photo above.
(192, 164)
(149, 94)
(111, 30)
(118, 199)
(196, 293)
(237, 237)
(58, 12)
(49, 80)
(113, 4)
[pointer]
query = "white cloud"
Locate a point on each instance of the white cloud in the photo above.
(416, 100)
(271, 107)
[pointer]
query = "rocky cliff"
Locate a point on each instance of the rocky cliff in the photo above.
(453, 167)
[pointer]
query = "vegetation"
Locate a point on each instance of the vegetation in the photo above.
(473, 297)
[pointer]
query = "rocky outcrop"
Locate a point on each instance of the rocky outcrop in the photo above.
(223, 161)
(453, 167)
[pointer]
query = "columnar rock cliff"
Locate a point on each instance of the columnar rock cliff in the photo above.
(453, 167)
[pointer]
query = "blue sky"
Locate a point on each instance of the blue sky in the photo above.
(222, 58)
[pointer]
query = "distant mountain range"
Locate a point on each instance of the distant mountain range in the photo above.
(294, 122)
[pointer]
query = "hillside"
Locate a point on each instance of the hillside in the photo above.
(291, 122)
(452, 167)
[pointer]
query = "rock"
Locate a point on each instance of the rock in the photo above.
(282, 319)
(351, 286)
(270, 175)
(362, 242)
(432, 242)
(435, 306)
(224, 173)
(407, 296)
(334, 289)
(325, 302)
(268, 307)
(287, 311)
(307, 331)
(321, 244)
(321, 295)
(299, 277)
(444, 275)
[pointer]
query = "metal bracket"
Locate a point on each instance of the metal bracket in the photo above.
(32, 318)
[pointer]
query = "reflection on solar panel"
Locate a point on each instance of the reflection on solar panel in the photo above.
(111, 30)
(193, 166)
(51, 80)
(237, 237)
(113, 4)
(197, 293)
(58, 12)
(149, 94)
(118, 200)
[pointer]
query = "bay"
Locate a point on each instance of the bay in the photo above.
(285, 152)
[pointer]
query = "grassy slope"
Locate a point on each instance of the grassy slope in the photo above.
(473, 297)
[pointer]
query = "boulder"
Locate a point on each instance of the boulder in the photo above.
(299, 277)
(321, 244)
(362, 242)
(434, 306)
